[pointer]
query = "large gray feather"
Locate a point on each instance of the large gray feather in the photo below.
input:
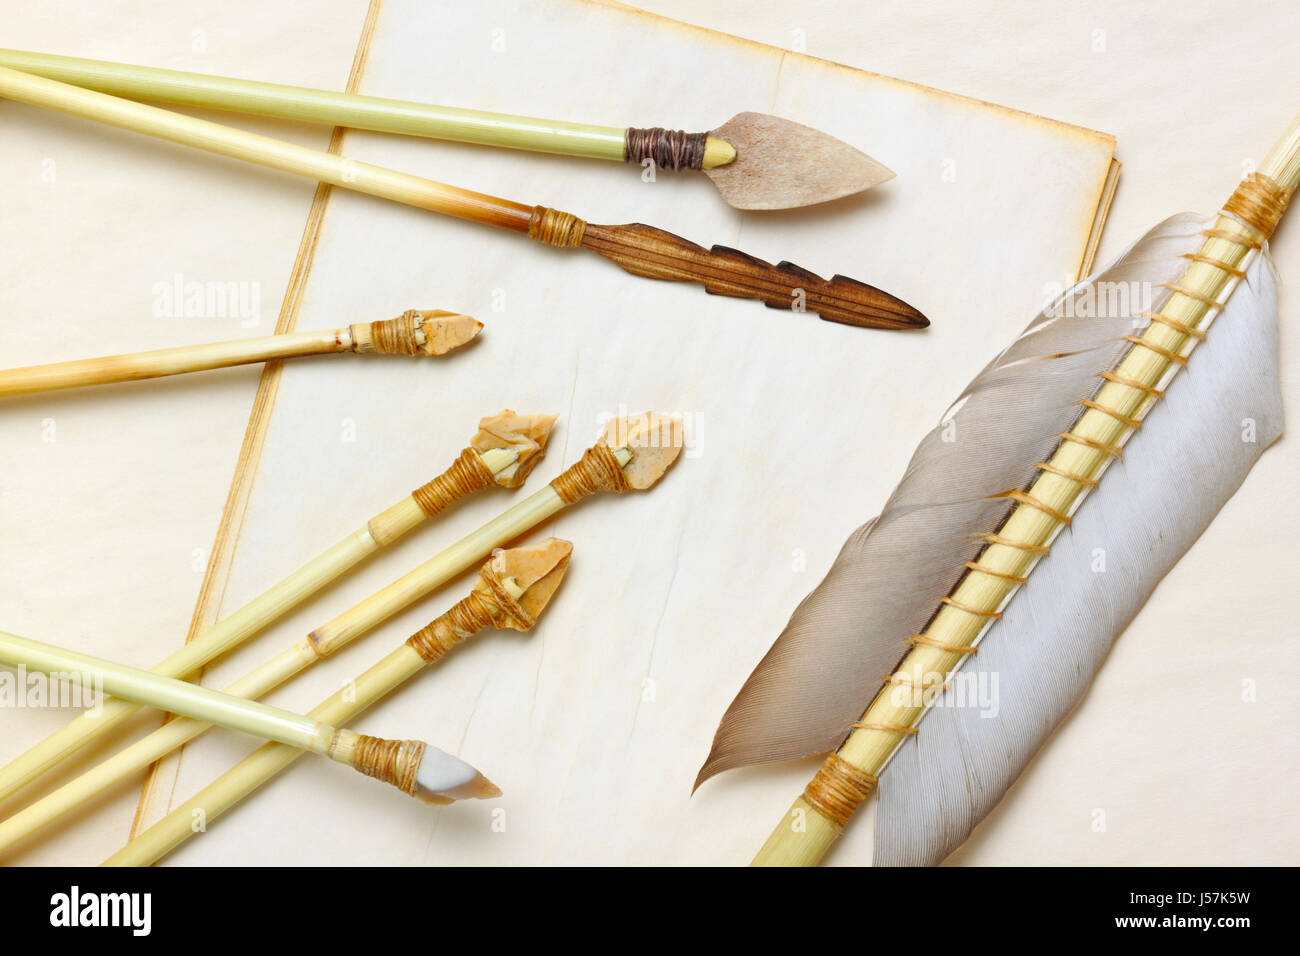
(1192, 453)
(885, 584)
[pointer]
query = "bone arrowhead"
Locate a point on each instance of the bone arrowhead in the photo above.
(781, 164)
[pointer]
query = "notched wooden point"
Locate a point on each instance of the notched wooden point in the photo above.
(894, 310)
(781, 164)
(526, 435)
(655, 441)
(445, 331)
(657, 254)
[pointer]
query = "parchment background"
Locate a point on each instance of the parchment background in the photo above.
(126, 500)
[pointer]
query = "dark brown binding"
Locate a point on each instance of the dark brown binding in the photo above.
(646, 251)
(670, 149)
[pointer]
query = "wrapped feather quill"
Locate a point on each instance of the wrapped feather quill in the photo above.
(992, 507)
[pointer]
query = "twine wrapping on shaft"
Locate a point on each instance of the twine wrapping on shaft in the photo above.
(488, 605)
(555, 227)
(399, 336)
(666, 148)
(465, 618)
(466, 475)
(392, 761)
(838, 788)
(1259, 202)
(596, 470)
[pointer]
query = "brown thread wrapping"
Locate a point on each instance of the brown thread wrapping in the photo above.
(1017, 578)
(596, 470)
(838, 788)
(1018, 545)
(968, 609)
(916, 639)
(1209, 300)
(1259, 202)
(464, 619)
(1025, 498)
(899, 681)
(555, 228)
(506, 611)
(1126, 420)
(466, 475)
(667, 148)
(397, 336)
(1071, 476)
(1160, 350)
(1114, 451)
(886, 728)
(1180, 327)
(488, 605)
(1131, 383)
(392, 761)
(1236, 237)
(1217, 263)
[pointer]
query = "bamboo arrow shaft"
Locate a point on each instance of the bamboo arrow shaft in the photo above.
(169, 694)
(216, 640)
(265, 763)
(265, 151)
(412, 333)
(325, 106)
(435, 572)
(375, 684)
(143, 753)
(398, 762)
(138, 366)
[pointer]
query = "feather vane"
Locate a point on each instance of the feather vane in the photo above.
(1214, 422)
(851, 630)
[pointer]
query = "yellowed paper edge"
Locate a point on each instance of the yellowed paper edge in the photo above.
(1108, 187)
